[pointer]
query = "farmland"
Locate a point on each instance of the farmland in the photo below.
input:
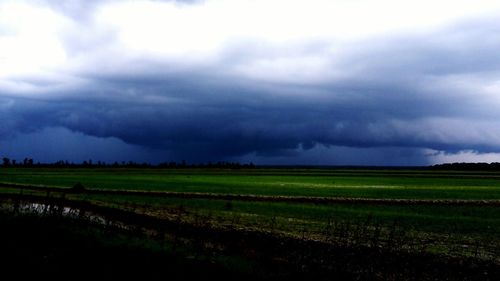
(448, 215)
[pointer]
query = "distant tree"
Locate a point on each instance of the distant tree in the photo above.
(13, 162)
(468, 166)
(27, 162)
(6, 161)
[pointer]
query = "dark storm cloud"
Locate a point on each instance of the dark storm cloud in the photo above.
(432, 91)
(202, 126)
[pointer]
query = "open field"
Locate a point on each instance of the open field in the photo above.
(287, 182)
(448, 214)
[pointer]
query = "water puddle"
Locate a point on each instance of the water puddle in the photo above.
(43, 209)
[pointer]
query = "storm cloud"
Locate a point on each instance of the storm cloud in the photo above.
(211, 80)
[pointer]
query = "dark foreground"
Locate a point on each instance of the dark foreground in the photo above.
(77, 247)
(48, 249)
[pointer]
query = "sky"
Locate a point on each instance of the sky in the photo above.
(326, 82)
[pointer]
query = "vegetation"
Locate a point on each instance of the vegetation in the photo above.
(450, 218)
(419, 184)
(468, 166)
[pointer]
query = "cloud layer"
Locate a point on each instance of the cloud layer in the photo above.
(207, 80)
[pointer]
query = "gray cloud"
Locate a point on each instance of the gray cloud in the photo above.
(436, 91)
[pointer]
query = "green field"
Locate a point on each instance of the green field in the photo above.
(288, 182)
(463, 230)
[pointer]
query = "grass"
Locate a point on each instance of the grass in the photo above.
(452, 225)
(448, 225)
(327, 183)
(471, 219)
(59, 248)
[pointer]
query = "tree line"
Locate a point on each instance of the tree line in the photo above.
(28, 162)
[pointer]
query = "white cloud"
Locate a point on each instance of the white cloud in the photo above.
(119, 33)
(213, 22)
(437, 157)
(32, 45)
